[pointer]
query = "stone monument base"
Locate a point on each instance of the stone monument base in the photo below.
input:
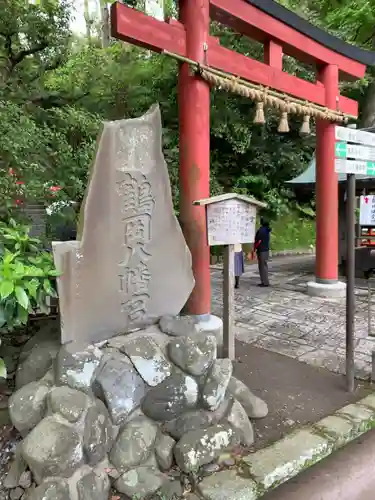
(126, 414)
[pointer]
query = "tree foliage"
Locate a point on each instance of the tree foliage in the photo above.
(55, 89)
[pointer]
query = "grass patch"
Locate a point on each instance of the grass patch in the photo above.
(292, 232)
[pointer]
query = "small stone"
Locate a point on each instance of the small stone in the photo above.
(140, 482)
(27, 406)
(68, 402)
(25, 480)
(52, 449)
(37, 363)
(211, 468)
(239, 420)
(178, 326)
(17, 468)
(197, 448)
(177, 394)
(16, 494)
(148, 359)
(164, 451)
(134, 444)
(97, 437)
(93, 486)
(120, 372)
(76, 367)
(189, 421)
(254, 406)
(216, 384)
(229, 462)
(51, 489)
(193, 355)
(171, 490)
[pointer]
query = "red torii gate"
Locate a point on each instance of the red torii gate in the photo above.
(281, 32)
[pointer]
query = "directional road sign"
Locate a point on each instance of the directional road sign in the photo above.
(344, 150)
(354, 167)
(356, 136)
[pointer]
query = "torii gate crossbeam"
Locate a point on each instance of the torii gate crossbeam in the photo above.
(281, 32)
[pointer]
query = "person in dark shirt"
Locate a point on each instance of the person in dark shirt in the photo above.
(262, 247)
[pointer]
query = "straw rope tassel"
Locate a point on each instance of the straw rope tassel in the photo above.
(305, 127)
(283, 125)
(259, 113)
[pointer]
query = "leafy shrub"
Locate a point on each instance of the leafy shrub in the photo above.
(27, 276)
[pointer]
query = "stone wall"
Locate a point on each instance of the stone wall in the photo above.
(141, 413)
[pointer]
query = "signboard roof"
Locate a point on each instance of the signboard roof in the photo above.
(230, 196)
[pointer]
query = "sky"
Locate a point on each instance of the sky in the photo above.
(78, 24)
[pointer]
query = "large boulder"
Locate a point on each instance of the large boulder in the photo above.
(140, 482)
(170, 399)
(119, 372)
(51, 489)
(239, 420)
(98, 433)
(193, 355)
(69, 403)
(27, 406)
(77, 366)
(203, 446)
(134, 444)
(52, 449)
(254, 406)
(148, 359)
(36, 362)
(216, 384)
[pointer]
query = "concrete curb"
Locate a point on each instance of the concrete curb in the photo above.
(257, 473)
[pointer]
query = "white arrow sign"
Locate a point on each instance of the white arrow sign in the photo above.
(354, 167)
(356, 136)
(344, 150)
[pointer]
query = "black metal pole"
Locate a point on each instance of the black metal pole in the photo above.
(350, 276)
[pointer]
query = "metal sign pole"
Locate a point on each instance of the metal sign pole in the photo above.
(350, 274)
(228, 304)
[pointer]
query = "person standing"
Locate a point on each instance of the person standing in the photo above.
(239, 266)
(262, 247)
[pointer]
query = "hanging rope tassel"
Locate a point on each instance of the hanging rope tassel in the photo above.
(283, 125)
(259, 113)
(305, 127)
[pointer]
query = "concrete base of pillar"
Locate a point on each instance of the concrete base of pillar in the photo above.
(329, 290)
(209, 323)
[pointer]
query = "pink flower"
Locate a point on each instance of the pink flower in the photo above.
(54, 189)
(20, 183)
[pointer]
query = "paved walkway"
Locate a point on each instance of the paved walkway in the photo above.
(284, 319)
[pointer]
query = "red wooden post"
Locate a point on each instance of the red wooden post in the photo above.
(273, 54)
(194, 111)
(327, 185)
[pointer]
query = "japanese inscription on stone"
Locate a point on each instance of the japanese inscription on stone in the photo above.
(230, 222)
(137, 205)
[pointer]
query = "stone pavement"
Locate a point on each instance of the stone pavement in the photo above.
(284, 319)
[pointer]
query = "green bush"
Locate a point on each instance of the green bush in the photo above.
(27, 276)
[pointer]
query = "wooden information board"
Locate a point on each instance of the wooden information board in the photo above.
(230, 222)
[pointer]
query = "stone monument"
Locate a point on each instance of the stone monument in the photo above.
(131, 264)
(141, 413)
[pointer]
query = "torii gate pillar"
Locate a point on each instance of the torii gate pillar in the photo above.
(326, 282)
(194, 114)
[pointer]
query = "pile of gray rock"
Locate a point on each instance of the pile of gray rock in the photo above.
(127, 413)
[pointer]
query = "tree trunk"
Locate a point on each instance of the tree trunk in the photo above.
(105, 26)
(87, 19)
(368, 112)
